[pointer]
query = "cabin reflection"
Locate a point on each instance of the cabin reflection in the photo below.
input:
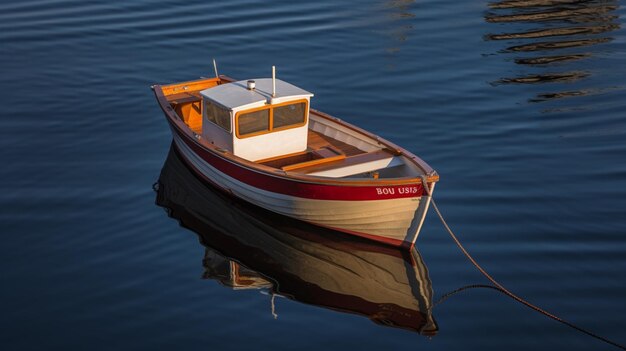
(251, 248)
(230, 273)
(550, 36)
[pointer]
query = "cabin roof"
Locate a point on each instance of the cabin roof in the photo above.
(236, 94)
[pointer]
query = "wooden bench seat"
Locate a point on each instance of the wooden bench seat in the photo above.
(361, 163)
(321, 156)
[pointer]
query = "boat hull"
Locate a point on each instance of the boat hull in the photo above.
(391, 214)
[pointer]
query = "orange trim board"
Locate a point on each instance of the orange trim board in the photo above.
(313, 162)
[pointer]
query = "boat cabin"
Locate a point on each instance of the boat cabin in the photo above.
(244, 118)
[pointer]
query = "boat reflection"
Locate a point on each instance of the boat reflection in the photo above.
(400, 19)
(549, 35)
(251, 248)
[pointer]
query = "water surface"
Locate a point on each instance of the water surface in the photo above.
(519, 105)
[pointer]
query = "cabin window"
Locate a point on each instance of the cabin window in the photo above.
(254, 122)
(217, 115)
(271, 118)
(289, 115)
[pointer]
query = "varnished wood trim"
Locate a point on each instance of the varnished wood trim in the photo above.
(313, 163)
(190, 86)
(194, 86)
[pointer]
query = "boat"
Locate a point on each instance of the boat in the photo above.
(259, 140)
(250, 248)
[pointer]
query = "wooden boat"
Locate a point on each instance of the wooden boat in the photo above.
(247, 247)
(260, 141)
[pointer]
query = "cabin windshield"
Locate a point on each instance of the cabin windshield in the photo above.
(217, 115)
(271, 118)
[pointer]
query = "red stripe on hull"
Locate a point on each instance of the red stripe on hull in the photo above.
(297, 188)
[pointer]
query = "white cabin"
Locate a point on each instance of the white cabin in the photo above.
(243, 118)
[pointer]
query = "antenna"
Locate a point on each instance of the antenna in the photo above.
(215, 68)
(273, 81)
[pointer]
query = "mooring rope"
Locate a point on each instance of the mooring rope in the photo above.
(445, 296)
(504, 290)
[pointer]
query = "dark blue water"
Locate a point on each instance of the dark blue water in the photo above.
(519, 105)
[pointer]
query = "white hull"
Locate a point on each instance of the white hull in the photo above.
(394, 221)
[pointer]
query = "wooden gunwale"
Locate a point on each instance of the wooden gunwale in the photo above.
(192, 85)
(175, 120)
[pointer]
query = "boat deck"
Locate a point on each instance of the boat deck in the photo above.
(318, 141)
